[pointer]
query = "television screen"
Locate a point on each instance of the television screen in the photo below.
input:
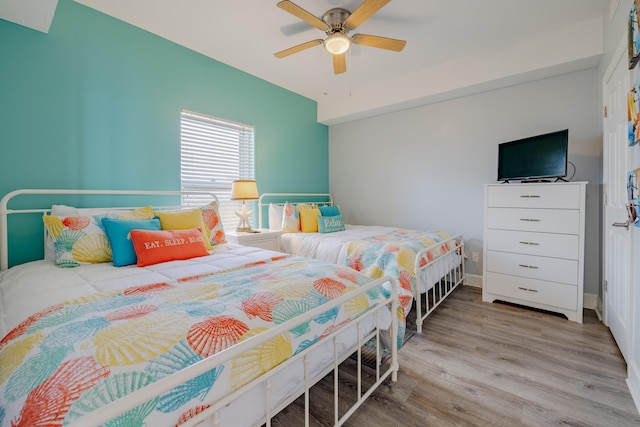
(534, 158)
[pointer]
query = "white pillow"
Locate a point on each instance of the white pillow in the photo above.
(64, 210)
(275, 217)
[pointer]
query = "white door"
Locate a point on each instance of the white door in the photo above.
(617, 237)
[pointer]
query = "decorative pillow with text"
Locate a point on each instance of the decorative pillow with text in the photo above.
(156, 246)
(329, 224)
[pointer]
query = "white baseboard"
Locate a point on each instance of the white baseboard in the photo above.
(633, 382)
(598, 309)
(473, 280)
(590, 301)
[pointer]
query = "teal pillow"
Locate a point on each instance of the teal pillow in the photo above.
(329, 224)
(332, 210)
(120, 240)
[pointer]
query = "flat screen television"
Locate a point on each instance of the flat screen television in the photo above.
(537, 158)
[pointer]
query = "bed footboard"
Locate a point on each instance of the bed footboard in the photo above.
(436, 279)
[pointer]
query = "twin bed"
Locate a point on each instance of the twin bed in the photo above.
(428, 264)
(229, 337)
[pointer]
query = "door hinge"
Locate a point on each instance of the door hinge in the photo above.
(606, 286)
(606, 111)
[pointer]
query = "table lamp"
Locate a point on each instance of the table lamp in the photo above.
(244, 189)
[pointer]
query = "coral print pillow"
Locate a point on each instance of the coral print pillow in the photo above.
(290, 219)
(98, 214)
(213, 224)
(78, 240)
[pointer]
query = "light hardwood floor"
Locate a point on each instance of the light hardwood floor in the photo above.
(483, 364)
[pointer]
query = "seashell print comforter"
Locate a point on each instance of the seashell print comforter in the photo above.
(67, 359)
(394, 253)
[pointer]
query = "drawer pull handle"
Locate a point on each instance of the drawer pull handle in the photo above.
(530, 243)
(530, 219)
(530, 196)
(528, 266)
(527, 289)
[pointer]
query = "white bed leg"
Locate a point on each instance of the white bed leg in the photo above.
(306, 391)
(394, 334)
(335, 382)
(268, 402)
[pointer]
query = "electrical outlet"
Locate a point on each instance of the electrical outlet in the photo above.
(475, 256)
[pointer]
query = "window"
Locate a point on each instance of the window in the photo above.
(213, 153)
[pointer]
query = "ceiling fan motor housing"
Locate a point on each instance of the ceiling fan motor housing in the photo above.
(334, 19)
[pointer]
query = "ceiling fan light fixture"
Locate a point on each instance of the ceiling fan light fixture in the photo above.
(337, 44)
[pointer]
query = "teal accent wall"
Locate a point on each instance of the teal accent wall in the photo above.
(95, 104)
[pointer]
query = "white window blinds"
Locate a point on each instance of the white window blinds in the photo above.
(213, 153)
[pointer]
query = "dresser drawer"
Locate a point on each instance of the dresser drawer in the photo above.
(565, 221)
(534, 267)
(531, 243)
(530, 290)
(534, 196)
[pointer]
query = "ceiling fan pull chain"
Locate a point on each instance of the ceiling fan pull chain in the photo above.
(350, 72)
(326, 77)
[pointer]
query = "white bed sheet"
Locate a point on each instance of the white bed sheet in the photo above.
(33, 286)
(332, 247)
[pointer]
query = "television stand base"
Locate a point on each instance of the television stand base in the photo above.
(537, 181)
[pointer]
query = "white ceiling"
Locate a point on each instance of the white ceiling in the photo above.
(36, 14)
(454, 47)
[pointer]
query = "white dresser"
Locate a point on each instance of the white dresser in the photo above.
(534, 245)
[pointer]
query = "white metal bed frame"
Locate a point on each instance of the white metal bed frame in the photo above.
(164, 385)
(426, 302)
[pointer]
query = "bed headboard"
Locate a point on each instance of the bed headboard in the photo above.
(34, 201)
(322, 199)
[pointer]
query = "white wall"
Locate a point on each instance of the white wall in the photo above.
(424, 167)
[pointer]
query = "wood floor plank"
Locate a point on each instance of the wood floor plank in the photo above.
(482, 364)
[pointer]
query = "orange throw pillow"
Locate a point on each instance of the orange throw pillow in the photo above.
(156, 246)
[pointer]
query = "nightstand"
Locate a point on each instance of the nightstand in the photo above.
(266, 239)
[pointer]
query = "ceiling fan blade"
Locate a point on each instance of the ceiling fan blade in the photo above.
(364, 12)
(299, 12)
(339, 63)
(298, 48)
(379, 42)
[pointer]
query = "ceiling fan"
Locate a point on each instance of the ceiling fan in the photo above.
(336, 23)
